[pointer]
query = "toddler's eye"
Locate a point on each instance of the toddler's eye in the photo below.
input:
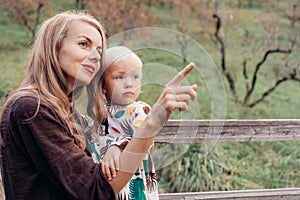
(136, 77)
(119, 77)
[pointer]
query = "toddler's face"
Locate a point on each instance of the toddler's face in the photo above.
(122, 81)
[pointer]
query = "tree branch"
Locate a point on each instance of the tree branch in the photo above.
(223, 57)
(249, 92)
(291, 76)
(37, 19)
(246, 75)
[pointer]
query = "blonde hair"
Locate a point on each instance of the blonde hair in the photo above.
(117, 53)
(46, 74)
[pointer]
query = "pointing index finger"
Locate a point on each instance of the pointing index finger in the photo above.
(176, 81)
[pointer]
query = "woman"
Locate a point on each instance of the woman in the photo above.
(44, 151)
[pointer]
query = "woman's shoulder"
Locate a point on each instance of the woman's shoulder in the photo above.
(22, 99)
(24, 104)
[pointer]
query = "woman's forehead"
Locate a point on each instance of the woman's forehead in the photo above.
(79, 29)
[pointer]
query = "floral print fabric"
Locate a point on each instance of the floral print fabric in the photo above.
(122, 123)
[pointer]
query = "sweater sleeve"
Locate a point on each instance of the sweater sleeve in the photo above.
(45, 140)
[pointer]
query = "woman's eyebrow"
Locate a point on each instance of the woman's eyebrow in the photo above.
(99, 48)
(87, 38)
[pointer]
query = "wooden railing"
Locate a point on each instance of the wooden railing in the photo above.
(231, 131)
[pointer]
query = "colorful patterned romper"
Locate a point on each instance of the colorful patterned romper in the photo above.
(122, 123)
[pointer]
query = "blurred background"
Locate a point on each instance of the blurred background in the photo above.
(253, 43)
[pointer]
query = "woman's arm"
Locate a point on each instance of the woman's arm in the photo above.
(43, 150)
(173, 97)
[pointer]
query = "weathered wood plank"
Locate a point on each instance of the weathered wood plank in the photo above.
(187, 131)
(266, 194)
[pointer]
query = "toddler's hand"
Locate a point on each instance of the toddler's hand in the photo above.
(110, 163)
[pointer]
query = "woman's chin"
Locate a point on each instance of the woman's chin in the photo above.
(82, 82)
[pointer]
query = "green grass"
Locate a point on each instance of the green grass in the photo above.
(231, 166)
(13, 65)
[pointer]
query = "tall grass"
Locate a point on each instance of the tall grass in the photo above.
(232, 166)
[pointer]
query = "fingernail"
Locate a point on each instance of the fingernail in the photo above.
(195, 87)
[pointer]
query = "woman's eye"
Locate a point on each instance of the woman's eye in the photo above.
(83, 44)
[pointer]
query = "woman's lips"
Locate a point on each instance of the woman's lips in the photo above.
(89, 68)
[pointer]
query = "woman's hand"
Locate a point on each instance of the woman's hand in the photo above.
(175, 96)
(110, 163)
(172, 97)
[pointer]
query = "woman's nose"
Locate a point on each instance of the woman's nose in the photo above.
(94, 56)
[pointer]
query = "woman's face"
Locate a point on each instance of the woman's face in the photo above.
(80, 54)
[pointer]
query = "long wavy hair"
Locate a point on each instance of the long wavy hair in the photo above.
(46, 75)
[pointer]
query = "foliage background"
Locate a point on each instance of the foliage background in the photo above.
(250, 28)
